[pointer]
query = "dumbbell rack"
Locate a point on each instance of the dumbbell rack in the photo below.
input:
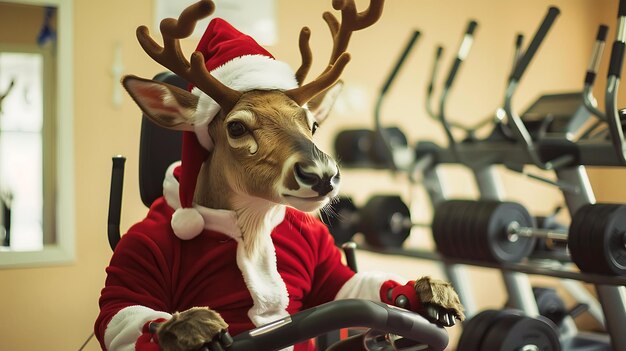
(566, 158)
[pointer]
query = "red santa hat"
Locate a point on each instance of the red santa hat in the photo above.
(239, 62)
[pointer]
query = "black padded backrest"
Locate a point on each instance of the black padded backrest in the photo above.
(158, 149)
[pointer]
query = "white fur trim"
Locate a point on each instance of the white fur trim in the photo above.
(244, 73)
(251, 72)
(366, 285)
(256, 258)
(125, 327)
(221, 221)
(170, 186)
(187, 223)
(266, 286)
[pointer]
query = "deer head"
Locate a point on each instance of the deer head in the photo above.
(260, 138)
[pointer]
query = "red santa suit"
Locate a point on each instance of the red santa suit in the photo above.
(167, 264)
(153, 273)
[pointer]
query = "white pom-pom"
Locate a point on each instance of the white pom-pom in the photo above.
(187, 223)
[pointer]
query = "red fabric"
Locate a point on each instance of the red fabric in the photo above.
(193, 154)
(221, 42)
(408, 290)
(152, 268)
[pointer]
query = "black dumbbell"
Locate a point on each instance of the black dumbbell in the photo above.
(353, 147)
(385, 220)
(504, 330)
(363, 148)
(505, 232)
(479, 230)
(597, 239)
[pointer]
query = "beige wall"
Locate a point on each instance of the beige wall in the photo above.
(54, 308)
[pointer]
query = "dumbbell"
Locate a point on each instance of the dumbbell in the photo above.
(504, 232)
(552, 306)
(385, 220)
(505, 330)
(363, 148)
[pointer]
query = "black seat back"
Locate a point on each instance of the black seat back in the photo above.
(158, 149)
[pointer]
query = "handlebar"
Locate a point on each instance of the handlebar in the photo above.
(466, 44)
(469, 130)
(540, 35)
(464, 48)
(519, 41)
(435, 69)
(515, 122)
(380, 133)
(407, 49)
(598, 48)
(115, 200)
(615, 70)
(341, 314)
(592, 70)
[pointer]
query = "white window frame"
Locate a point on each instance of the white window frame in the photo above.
(63, 250)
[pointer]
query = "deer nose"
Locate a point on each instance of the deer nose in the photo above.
(323, 184)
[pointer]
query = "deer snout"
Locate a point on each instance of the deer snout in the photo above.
(321, 181)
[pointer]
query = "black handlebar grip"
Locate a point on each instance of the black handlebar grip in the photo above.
(590, 77)
(401, 60)
(617, 58)
(519, 40)
(622, 8)
(439, 52)
(540, 35)
(602, 31)
(115, 200)
(471, 27)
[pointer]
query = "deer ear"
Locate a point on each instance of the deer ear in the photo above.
(166, 105)
(321, 104)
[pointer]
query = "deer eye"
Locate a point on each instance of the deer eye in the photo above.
(236, 129)
(314, 127)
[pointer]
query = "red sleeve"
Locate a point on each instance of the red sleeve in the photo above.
(330, 274)
(138, 275)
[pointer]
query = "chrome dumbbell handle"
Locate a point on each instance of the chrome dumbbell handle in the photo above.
(514, 231)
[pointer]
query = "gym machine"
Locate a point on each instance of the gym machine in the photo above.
(595, 238)
(550, 147)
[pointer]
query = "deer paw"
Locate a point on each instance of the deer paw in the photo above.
(440, 302)
(191, 329)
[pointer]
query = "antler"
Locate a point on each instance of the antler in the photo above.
(171, 56)
(340, 32)
(305, 53)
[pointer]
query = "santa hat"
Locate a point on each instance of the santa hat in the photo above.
(240, 63)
